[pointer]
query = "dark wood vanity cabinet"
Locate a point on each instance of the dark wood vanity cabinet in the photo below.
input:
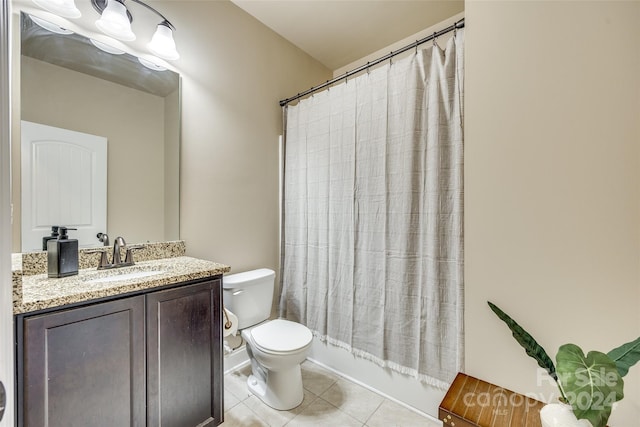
(184, 356)
(85, 366)
(153, 359)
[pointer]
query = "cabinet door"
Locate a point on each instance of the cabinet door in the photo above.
(85, 366)
(184, 356)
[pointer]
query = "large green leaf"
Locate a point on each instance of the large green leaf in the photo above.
(626, 356)
(591, 383)
(527, 342)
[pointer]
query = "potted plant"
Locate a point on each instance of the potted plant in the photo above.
(590, 384)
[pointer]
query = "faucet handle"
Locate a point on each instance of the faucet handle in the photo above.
(104, 262)
(129, 256)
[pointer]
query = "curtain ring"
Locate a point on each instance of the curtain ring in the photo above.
(391, 59)
(368, 69)
(416, 47)
(435, 39)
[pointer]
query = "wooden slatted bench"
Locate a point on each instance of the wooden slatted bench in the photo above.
(471, 402)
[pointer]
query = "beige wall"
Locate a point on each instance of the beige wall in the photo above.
(234, 71)
(133, 123)
(552, 184)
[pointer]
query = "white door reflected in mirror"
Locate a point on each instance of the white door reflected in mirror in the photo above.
(64, 182)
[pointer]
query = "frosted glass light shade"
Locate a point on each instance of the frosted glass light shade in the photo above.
(162, 43)
(64, 8)
(114, 22)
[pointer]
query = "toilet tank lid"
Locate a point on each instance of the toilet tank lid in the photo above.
(231, 281)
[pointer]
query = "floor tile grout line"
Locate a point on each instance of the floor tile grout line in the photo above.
(368, 387)
(374, 411)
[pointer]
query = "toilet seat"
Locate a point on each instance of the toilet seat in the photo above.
(281, 336)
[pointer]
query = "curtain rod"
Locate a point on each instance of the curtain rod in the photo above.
(458, 24)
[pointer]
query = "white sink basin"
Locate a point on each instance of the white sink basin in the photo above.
(125, 276)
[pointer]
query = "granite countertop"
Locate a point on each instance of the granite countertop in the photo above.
(40, 292)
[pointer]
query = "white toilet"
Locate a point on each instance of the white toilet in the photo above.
(276, 348)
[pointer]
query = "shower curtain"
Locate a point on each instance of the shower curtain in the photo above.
(372, 214)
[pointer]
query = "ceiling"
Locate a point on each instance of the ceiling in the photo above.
(339, 32)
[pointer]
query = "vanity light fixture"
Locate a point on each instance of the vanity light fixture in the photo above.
(116, 22)
(64, 8)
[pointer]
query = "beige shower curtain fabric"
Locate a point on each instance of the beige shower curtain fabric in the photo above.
(373, 214)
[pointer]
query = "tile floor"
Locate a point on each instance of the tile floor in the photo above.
(329, 400)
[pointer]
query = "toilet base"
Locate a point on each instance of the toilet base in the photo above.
(281, 390)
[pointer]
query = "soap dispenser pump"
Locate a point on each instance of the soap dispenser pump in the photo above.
(54, 235)
(62, 255)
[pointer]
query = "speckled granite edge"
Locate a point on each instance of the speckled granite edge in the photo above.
(36, 262)
(16, 280)
(16, 277)
(40, 292)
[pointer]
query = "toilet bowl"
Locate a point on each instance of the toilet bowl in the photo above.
(276, 348)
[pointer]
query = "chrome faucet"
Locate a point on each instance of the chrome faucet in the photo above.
(117, 246)
(116, 258)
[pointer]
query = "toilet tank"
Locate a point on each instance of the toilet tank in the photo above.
(249, 295)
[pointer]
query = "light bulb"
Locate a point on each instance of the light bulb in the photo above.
(162, 43)
(64, 8)
(114, 21)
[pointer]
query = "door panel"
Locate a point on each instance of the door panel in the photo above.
(85, 366)
(184, 384)
(64, 182)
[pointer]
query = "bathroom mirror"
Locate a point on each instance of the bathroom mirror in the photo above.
(66, 81)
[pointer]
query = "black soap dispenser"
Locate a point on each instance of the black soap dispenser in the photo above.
(62, 255)
(54, 235)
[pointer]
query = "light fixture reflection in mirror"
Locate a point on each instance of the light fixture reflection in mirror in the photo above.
(150, 65)
(50, 26)
(106, 48)
(95, 57)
